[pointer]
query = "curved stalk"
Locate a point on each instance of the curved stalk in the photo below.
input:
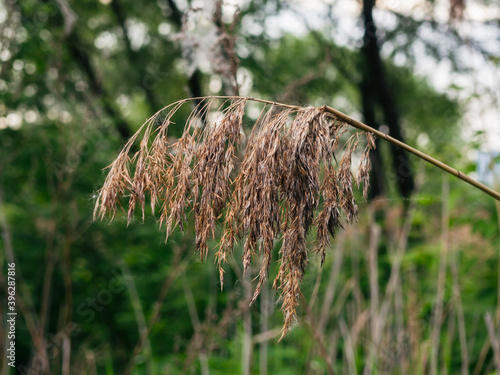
(420, 154)
(359, 125)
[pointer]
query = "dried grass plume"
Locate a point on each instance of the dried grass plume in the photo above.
(294, 177)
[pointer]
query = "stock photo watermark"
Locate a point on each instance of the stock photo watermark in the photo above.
(11, 314)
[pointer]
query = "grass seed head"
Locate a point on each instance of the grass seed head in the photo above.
(288, 182)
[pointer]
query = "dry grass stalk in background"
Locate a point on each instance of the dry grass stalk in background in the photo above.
(289, 171)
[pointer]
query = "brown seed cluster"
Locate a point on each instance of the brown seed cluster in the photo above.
(288, 182)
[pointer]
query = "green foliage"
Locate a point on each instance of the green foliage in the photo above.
(51, 168)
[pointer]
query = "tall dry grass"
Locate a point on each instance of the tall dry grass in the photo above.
(294, 175)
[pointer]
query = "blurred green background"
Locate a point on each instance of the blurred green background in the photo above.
(412, 288)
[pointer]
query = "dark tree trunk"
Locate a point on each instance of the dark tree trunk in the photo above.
(194, 82)
(376, 89)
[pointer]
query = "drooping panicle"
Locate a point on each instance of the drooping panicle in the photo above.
(365, 165)
(287, 175)
(345, 183)
(212, 170)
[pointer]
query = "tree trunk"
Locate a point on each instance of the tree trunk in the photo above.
(376, 87)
